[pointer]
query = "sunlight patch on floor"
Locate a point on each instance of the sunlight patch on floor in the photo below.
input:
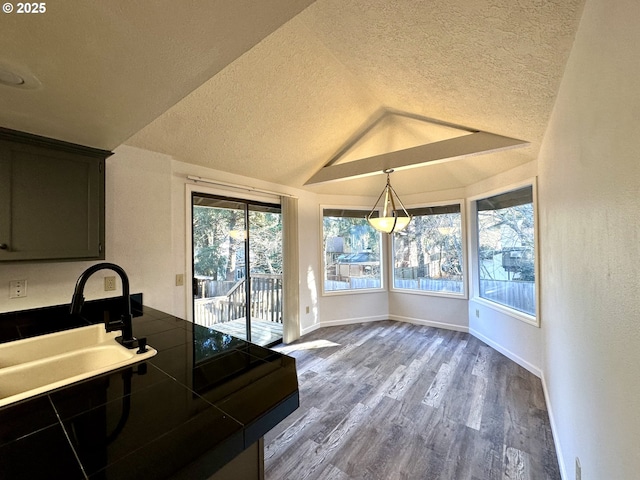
(305, 346)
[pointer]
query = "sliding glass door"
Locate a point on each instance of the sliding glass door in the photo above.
(237, 267)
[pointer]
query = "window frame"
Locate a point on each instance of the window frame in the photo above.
(473, 241)
(383, 249)
(463, 236)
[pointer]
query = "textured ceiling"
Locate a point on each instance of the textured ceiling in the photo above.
(99, 71)
(285, 108)
(249, 87)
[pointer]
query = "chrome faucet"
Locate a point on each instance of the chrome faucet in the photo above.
(126, 320)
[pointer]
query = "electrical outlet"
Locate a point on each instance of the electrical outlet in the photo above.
(477, 313)
(578, 469)
(307, 308)
(179, 279)
(109, 284)
(17, 288)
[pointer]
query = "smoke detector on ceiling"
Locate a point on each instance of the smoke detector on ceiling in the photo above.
(17, 77)
(9, 78)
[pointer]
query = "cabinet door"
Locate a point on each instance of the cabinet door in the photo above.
(52, 204)
(5, 202)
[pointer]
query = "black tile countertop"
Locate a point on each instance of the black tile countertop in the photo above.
(183, 413)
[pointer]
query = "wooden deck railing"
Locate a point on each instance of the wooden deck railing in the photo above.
(266, 302)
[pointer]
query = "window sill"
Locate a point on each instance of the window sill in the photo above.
(430, 293)
(333, 293)
(523, 317)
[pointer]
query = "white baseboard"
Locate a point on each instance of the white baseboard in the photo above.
(378, 318)
(306, 330)
(344, 321)
(430, 323)
(418, 321)
(508, 353)
(556, 441)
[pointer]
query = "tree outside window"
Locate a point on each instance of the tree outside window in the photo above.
(428, 254)
(351, 251)
(506, 249)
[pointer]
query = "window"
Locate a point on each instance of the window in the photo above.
(428, 253)
(506, 249)
(351, 251)
(237, 267)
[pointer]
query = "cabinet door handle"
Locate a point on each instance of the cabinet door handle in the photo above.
(3, 246)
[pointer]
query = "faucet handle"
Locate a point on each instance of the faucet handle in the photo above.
(112, 325)
(142, 345)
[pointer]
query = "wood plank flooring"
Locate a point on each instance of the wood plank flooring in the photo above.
(391, 400)
(262, 332)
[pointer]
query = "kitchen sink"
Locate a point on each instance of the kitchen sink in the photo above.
(39, 364)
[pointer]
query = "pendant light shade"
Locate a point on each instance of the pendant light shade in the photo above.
(393, 219)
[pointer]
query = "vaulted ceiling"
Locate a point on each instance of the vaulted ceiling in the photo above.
(276, 89)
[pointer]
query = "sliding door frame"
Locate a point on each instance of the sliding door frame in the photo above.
(257, 199)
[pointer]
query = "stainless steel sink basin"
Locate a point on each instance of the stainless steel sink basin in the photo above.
(36, 365)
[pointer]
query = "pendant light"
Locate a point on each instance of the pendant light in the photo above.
(393, 219)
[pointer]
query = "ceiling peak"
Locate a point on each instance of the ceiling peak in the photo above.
(393, 139)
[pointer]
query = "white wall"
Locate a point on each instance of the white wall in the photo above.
(139, 222)
(47, 284)
(431, 310)
(310, 269)
(589, 190)
(517, 340)
(509, 335)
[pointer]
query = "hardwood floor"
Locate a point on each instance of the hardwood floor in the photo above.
(262, 332)
(391, 400)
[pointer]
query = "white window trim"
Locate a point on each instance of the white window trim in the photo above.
(465, 276)
(383, 249)
(473, 252)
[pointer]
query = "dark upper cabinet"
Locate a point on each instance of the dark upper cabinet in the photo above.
(51, 199)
